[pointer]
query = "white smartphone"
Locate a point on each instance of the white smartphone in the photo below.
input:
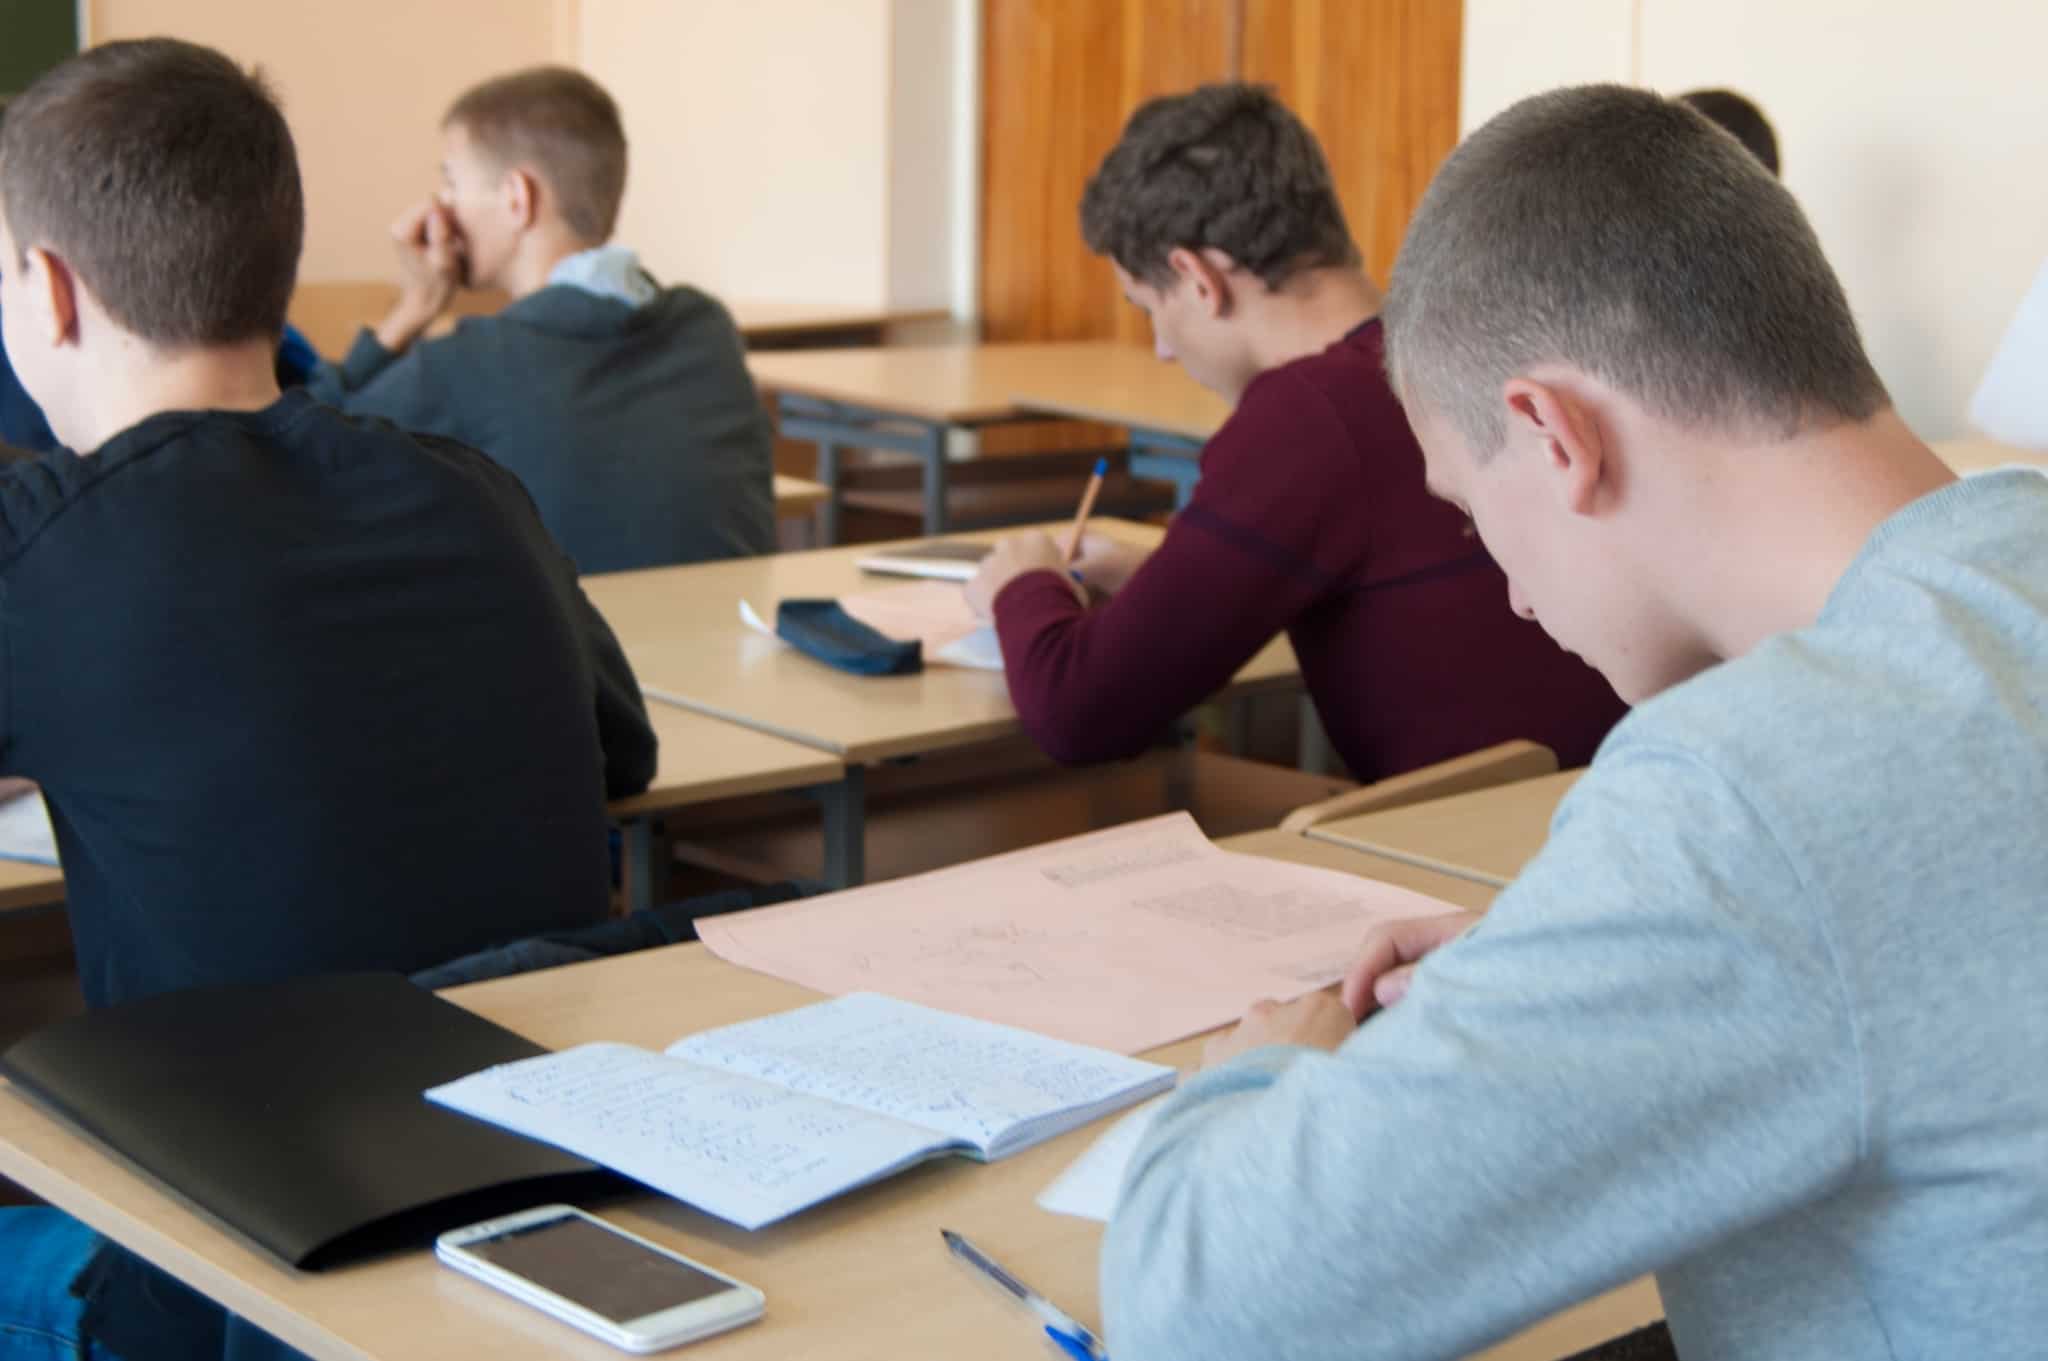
(616, 1285)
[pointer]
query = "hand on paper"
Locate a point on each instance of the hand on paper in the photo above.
(13, 787)
(1381, 975)
(1012, 557)
(1318, 1020)
(1105, 564)
(429, 271)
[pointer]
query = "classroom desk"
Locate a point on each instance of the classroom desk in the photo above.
(910, 398)
(680, 627)
(701, 760)
(1977, 455)
(857, 1279)
(1485, 836)
(793, 325)
(1168, 414)
(330, 313)
(796, 497)
(25, 885)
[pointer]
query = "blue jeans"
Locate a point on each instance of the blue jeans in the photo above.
(43, 1251)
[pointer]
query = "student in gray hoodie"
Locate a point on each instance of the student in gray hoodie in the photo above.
(625, 408)
(1766, 1016)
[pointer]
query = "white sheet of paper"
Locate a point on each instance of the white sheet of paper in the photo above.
(25, 831)
(1088, 1188)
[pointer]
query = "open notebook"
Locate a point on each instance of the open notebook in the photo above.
(756, 1121)
(25, 831)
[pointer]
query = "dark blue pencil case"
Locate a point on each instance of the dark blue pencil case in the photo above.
(821, 629)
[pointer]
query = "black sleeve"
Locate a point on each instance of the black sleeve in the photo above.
(630, 746)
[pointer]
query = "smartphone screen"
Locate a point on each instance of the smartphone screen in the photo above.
(596, 1268)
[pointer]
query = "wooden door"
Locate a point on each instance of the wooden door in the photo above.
(1377, 80)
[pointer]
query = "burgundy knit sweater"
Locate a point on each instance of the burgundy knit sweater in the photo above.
(1310, 517)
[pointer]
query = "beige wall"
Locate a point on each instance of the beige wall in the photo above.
(1913, 135)
(759, 141)
(812, 151)
(788, 150)
(364, 85)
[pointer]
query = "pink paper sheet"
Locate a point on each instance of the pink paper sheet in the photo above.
(1128, 938)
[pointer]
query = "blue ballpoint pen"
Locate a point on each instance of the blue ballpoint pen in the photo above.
(1067, 1334)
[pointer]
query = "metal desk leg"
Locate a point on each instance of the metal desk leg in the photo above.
(1237, 723)
(844, 806)
(934, 452)
(639, 872)
(826, 524)
(1167, 458)
(1317, 756)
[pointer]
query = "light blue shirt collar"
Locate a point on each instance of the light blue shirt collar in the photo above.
(608, 272)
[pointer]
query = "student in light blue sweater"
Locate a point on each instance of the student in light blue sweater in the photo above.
(1767, 1016)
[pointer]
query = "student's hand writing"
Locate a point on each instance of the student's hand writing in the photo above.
(1318, 1020)
(1384, 967)
(13, 787)
(429, 271)
(1105, 564)
(1033, 551)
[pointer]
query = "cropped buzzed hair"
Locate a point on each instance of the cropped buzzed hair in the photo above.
(1739, 118)
(165, 177)
(1224, 166)
(1625, 235)
(563, 124)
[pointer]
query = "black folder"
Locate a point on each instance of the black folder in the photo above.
(293, 1111)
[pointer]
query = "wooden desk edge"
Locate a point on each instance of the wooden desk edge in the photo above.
(1108, 415)
(1421, 862)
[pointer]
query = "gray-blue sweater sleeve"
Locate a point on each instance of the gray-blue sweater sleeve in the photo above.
(1644, 1047)
(406, 389)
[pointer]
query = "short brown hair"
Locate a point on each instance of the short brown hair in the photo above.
(1621, 233)
(165, 176)
(1740, 119)
(1223, 166)
(563, 124)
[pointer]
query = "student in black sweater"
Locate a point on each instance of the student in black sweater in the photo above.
(303, 692)
(624, 407)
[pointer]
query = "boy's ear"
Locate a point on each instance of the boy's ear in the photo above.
(522, 197)
(1207, 273)
(53, 292)
(1567, 435)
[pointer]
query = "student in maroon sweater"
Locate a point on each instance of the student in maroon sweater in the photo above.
(1218, 212)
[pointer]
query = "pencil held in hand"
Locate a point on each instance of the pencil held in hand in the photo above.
(1087, 505)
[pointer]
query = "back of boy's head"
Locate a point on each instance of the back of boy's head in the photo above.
(1740, 119)
(165, 177)
(1226, 167)
(1622, 234)
(562, 124)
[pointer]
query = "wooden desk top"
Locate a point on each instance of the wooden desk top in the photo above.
(1129, 387)
(27, 885)
(704, 758)
(948, 384)
(681, 628)
(778, 320)
(862, 1277)
(1977, 455)
(798, 495)
(1488, 834)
